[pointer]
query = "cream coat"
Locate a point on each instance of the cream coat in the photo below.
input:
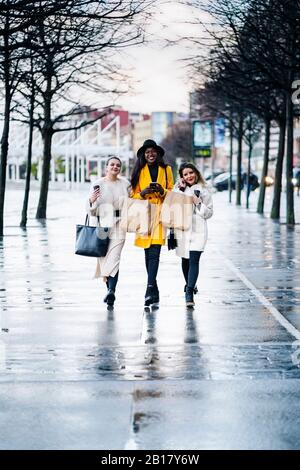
(111, 198)
(195, 238)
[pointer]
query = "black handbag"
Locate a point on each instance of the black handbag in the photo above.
(91, 241)
(172, 242)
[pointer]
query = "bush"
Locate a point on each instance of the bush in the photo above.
(60, 165)
(34, 170)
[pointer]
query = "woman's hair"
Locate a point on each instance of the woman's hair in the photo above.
(113, 158)
(199, 177)
(139, 165)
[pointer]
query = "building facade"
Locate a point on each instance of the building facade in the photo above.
(162, 121)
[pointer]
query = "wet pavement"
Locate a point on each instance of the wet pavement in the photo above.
(74, 376)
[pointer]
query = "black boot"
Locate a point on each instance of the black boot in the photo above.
(195, 289)
(155, 297)
(189, 297)
(110, 298)
(149, 296)
(111, 288)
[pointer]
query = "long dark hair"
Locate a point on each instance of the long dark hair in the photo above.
(191, 166)
(139, 165)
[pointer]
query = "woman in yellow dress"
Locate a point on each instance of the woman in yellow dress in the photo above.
(151, 179)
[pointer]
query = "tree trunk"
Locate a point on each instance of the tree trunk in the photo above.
(262, 190)
(290, 215)
(23, 222)
(293, 32)
(230, 162)
(5, 131)
(4, 153)
(47, 134)
(239, 162)
(275, 211)
(41, 212)
(248, 173)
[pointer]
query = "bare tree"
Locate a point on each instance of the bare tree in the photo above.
(76, 48)
(71, 43)
(11, 48)
(16, 18)
(263, 36)
(178, 142)
(29, 81)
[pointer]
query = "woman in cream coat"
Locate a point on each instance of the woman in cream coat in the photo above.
(105, 202)
(191, 243)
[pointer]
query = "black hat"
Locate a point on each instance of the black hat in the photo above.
(150, 143)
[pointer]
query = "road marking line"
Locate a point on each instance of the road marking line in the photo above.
(266, 303)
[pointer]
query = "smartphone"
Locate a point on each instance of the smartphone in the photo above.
(96, 187)
(197, 192)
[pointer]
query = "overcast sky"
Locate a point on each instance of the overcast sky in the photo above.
(162, 81)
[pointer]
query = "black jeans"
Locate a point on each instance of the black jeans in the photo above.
(190, 268)
(152, 255)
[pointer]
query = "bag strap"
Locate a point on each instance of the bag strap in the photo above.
(166, 177)
(87, 220)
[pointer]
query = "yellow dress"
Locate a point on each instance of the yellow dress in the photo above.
(157, 236)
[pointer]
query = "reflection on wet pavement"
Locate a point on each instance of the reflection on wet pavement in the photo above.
(49, 303)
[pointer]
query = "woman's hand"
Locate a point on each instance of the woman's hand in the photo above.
(95, 194)
(181, 184)
(159, 189)
(197, 200)
(146, 191)
(151, 189)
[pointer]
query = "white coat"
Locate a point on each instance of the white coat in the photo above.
(195, 238)
(112, 194)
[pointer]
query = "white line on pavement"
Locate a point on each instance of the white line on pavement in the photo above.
(276, 314)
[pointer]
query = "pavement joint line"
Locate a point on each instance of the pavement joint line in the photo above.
(135, 383)
(265, 302)
(177, 345)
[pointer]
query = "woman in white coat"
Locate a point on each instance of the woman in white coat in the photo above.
(191, 243)
(104, 204)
